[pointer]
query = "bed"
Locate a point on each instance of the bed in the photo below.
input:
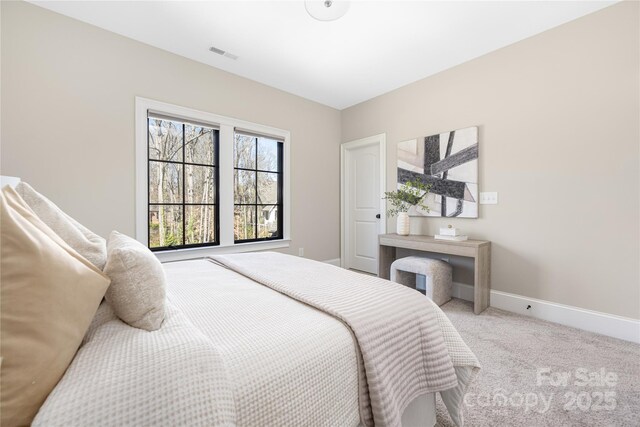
(237, 348)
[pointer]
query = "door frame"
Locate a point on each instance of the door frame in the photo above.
(381, 141)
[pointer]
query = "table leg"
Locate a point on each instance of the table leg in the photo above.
(482, 279)
(386, 256)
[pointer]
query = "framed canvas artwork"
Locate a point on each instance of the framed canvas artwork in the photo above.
(449, 163)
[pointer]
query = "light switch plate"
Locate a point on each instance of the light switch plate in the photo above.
(489, 198)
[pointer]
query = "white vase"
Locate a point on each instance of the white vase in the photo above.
(403, 226)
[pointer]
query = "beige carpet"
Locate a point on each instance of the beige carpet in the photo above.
(518, 352)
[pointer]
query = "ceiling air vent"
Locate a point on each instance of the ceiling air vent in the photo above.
(223, 53)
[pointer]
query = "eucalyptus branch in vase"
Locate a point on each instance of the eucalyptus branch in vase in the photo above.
(412, 193)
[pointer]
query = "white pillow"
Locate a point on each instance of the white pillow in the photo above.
(137, 291)
(84, 241)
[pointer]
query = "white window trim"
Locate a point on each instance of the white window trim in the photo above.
(225, 165)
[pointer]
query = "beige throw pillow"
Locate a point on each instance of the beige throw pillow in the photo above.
(49, 294)
(137, 291)
(84, 241)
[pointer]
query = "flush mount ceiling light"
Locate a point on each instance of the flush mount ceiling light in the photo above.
(326, 10)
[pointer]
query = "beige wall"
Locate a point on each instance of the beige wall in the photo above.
(68, 93)
(559, 140)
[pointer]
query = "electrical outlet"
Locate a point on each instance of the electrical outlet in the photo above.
(489, 198)
(300, 251)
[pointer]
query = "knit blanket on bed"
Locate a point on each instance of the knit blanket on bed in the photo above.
(407, 345)
(125, 376)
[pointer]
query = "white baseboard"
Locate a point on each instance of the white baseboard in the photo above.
(593, 321)
(335, 261)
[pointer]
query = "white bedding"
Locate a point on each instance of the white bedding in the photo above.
(289, 364)
(284, 363)
(402, 337)
(123, 376)
(231, 352)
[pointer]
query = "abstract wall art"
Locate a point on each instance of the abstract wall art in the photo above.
(449, 162)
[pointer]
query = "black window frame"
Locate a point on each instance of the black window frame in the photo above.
(184, 164)
(279, 204)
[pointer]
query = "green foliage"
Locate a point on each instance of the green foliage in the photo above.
(172, 240)
(412, 193)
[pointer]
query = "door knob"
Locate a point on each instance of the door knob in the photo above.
(378, 216)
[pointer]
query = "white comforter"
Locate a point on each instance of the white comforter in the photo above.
(123, 376)
(289, 364)
(402, 338)
(230, 352)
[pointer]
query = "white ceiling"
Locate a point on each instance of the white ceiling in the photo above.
(376, 47)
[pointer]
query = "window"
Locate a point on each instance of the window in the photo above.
(208, 184)
(257, 177)
(183, 183)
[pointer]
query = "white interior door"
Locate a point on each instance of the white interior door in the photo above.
(363, 167)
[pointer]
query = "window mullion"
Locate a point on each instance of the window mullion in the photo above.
(148, 192)
(226, 202)
(255, 208)
(280, 192)
(184, 193)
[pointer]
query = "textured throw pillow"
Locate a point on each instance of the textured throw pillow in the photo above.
(49, 294)
(137, 291)
(84, 241)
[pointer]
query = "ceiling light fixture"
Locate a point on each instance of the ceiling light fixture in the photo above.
(326, 10)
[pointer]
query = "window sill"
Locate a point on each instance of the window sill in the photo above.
(195, 253)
